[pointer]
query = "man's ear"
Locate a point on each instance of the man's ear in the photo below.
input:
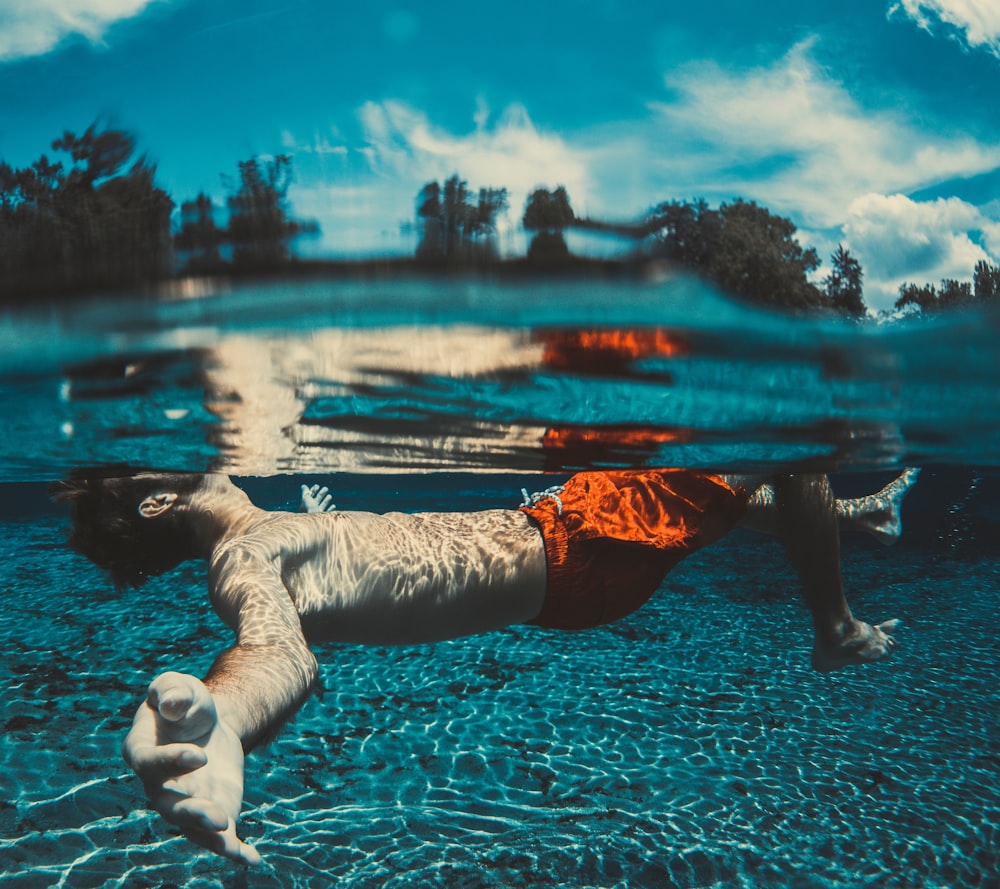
(156, 504)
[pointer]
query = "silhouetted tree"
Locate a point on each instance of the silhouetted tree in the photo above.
(548, 210)
(260, 228)
(454, 227)
(102, 223)
(928, 298)
(952, 294)
(955, 293)
(548, 214)
(741, 248)
(687, 233)
(431, 224)
(96, 154)
(135, 241)
(923, 297)
(986, 281)
(199, 236)
(843, 284)
(492, 202)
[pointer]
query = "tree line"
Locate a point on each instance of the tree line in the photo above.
(95, 219)
(741, 247)
(953, 294)
(92, 217)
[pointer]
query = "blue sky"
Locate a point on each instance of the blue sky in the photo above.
(868, 122)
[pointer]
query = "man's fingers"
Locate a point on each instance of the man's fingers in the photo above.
(225, 842)
(188, 812)
(183, 701)
(169, 759)
(233, 847)
(200, 814)
(888, 626)
(172, 695)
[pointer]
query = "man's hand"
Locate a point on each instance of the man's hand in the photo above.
(190, 763)
(316, 499)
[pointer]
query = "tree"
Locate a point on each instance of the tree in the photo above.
(548, 248)
(953, 294)
(135, 240)
(843, 284)
(199, 236)
(96, 154)
(924, 298)
(928, 298)
(686, 233)
(492, 202)
(548, 213)
(986, 282)
(430, 214)
(452, 226)
(548, 210)
(455, 213)
(260, 229)
(102, 223)
(741, 248)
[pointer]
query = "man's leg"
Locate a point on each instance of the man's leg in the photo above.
(809, 524)
(877, 515)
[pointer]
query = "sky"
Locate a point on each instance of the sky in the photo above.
(869, 123)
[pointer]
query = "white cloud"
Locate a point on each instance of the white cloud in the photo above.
(512, 153)
(977, 20)
(786, 134)
(402, 149)
(33, 27)
(793, 137)
(901, 240)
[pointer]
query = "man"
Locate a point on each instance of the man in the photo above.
(571, 557)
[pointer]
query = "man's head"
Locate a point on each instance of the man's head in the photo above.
(134, 525)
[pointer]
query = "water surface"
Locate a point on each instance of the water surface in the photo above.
(689, 745)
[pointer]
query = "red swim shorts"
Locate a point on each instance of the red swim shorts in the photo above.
(611, 537)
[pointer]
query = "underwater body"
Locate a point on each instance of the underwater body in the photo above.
(687, 745)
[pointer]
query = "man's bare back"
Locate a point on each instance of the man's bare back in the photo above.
(392, 579)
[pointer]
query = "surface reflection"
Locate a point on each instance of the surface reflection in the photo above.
(416, 398)
(432, 398)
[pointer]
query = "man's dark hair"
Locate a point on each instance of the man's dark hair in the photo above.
(108, 529)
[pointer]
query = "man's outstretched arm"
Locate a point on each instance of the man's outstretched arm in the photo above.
(188, 739)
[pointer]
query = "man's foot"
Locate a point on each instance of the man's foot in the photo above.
(878, 514)
(861, 644)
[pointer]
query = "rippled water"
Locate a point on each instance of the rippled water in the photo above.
(689, 745)
(443, 375)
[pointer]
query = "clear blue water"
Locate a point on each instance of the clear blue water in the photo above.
(689, 745)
